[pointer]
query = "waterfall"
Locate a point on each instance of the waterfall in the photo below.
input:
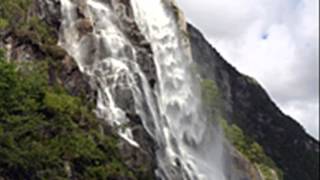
(188, 146)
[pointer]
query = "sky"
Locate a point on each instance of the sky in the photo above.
(274, 41)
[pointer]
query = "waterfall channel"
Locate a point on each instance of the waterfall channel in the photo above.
(188, 146)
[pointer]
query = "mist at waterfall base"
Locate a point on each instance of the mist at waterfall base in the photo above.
(189, 146)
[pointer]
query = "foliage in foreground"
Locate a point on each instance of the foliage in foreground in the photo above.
(46, 133)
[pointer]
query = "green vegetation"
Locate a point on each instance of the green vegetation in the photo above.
(210, 92)
(46, 133)
(3, 24)
(14, 11)
(37, 31)
(211, 98)
(244, 144)
(267, 172)
(28, 27)
(250, 149)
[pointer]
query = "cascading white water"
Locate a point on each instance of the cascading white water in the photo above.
(189, 148)
(107, 57)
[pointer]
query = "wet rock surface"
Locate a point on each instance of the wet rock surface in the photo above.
(143, 49)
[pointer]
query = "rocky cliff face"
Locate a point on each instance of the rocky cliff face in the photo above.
(31, 34)
(24, 41)
(246, 104)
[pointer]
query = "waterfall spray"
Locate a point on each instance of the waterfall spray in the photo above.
(188, 145)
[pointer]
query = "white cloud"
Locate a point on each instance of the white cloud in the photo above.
(276, 42)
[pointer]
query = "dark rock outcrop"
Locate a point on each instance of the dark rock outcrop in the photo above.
(247, 104)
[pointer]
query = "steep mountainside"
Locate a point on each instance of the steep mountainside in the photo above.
(246, 104)
(53, 130)
(54, 100)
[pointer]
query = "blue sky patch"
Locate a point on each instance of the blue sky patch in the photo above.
(265, 36)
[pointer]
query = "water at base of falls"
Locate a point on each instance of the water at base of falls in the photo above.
(189, 147)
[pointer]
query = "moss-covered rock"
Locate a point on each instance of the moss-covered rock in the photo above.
(235, 135)
(211, 98)
(20, 21)
(3, 24)
(251, 150)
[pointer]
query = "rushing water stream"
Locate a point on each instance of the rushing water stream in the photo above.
(189, 147)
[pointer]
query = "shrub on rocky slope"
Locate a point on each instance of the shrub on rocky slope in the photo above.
(45, 132)
(245, 145)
